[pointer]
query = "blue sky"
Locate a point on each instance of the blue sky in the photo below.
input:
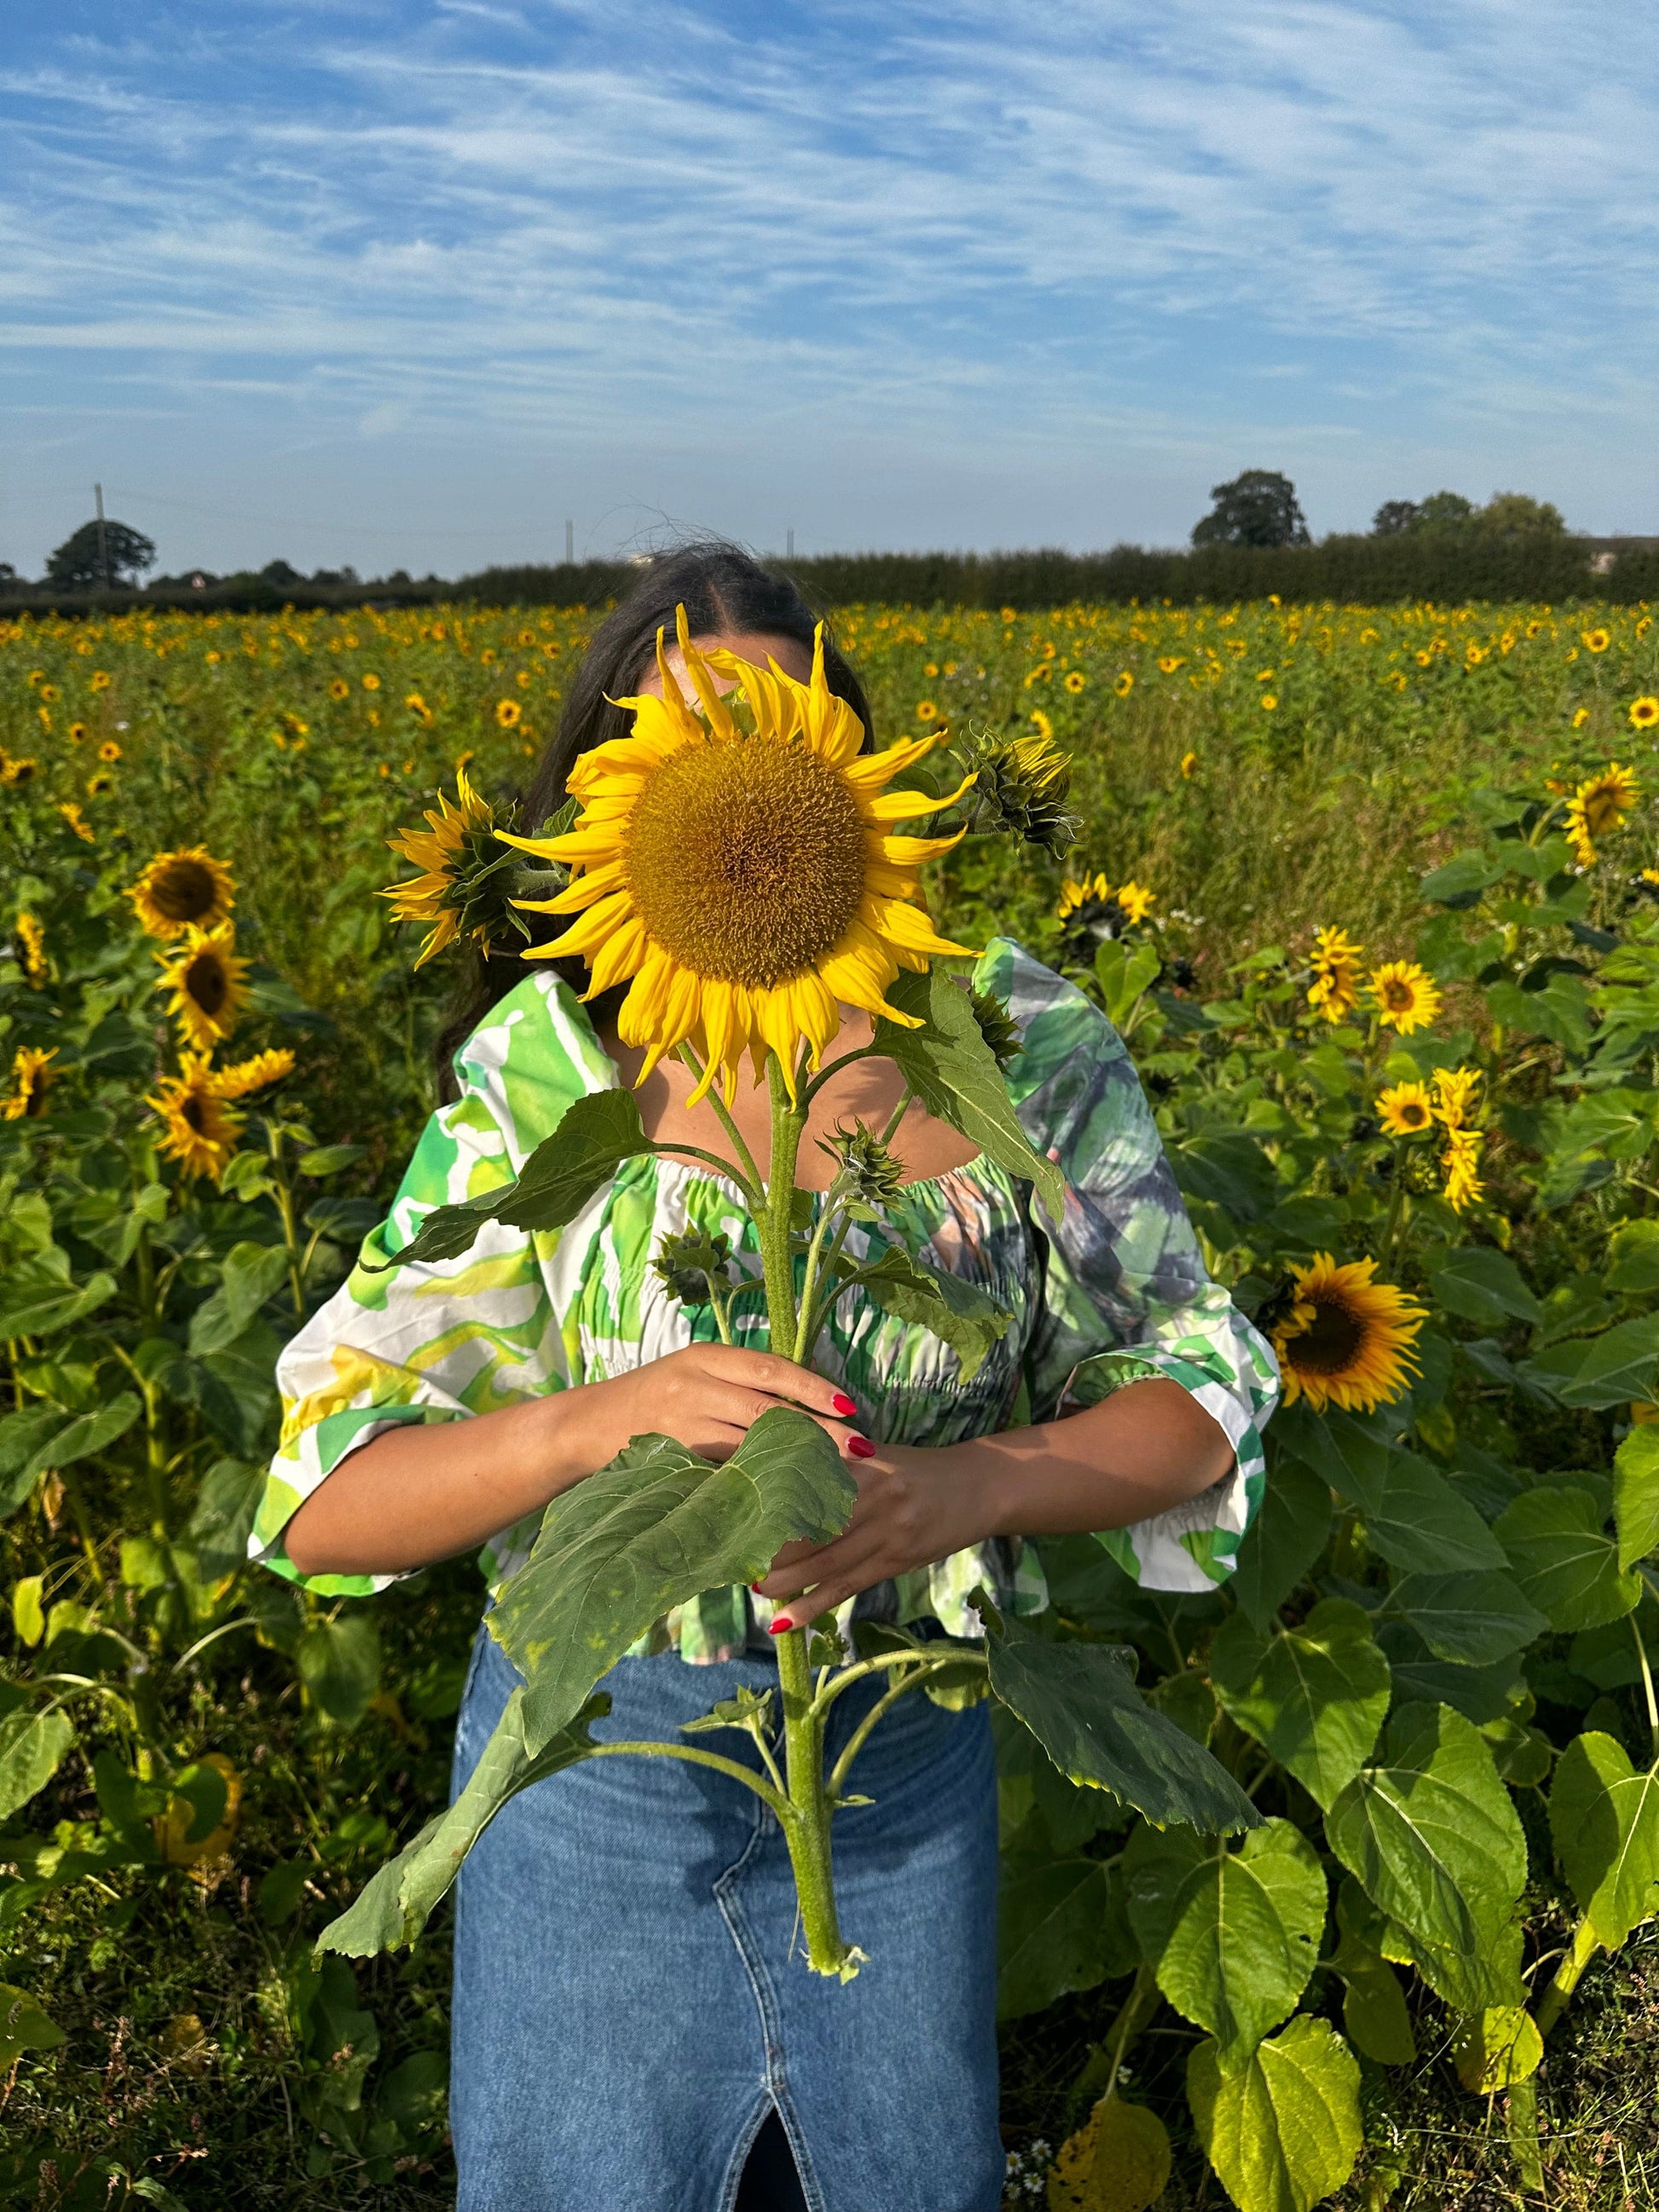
(408, 282)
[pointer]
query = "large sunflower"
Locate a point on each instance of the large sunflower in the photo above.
(745, 880)
(181, 890)
(31, 1079)
(209, 985)
(1348, 1339)
(202, 1127)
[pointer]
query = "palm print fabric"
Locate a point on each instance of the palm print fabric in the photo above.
(1115, 1293)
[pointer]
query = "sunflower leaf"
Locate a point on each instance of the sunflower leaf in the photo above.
(954, 1073)
(394, 1906)
(956, 1311)
(597, 1133)
(1080, 1702)
(1285, 2130)
(654, 1530)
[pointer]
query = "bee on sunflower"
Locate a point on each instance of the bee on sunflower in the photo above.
(1346, 1339)
(31, 1074)
(183, 890)
(207, 980)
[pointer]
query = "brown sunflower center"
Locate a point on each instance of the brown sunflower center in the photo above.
(746, 861)
(184, 890)
(1332, 1341)
(1602, 813)
(1398, 994)
(206, 982)
(1412, 1114)
(194, 1111)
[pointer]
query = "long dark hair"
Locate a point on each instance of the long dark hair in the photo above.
(723, 590)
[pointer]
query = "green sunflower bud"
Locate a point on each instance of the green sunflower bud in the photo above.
(690, 1264)
(1023, 786)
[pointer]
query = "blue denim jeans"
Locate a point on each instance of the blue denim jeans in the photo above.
(632, 1999)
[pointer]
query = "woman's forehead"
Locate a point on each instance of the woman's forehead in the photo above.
(757, 648)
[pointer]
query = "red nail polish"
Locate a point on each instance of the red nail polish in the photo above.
(780, 1627)
(754, 1586)
(861, 1448)
(843, 1404)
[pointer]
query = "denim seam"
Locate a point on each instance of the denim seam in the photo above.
(777, 2085)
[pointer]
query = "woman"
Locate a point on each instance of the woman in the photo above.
(634, 2028)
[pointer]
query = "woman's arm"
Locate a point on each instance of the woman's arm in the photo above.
(1146, 1448)
(416, 1494)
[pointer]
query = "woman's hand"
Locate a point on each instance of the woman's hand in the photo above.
(707, 1397)
(914, 1506)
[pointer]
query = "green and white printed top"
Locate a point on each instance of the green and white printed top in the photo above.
(1116, 1293)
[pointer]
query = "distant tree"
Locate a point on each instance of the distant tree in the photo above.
(1257, 508)
(1443, 512)
(1395, 517)
(1512, 514)
(280, 575)
(78, 563)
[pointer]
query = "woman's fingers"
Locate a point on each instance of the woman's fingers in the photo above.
(779, 1380)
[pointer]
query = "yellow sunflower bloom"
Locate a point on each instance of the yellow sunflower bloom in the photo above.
(100, 784)
(1404, 1109)
(1454, 1095)
(1347, 1341)
(207, 982)
(100, 679)
(109, 753)
(29, 951)
(1598, 807)
(181, 890)
(339, 689)
(744, 882)
(16, 773)
(1136, 900)
(1335, 964)
(201, 1127)
(1643, 712)
(31, 1079)
(1123, 683)
(1076, 681)
(1189, 763)
(1072, 893)
(257, 1073)
(1596, 641)
(1463, 1186)
(927, 711)
(1405, 996)
(70, 809)
(508, 712)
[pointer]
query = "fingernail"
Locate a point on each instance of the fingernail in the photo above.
(843, 1404)
(754, 1586)
(861, 1448)
(780, 1627)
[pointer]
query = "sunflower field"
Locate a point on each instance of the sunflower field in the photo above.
(1373, 894)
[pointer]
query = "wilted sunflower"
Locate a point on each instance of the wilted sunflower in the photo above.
(1335, 961)
(1405, 1110)
(244, 1076)
(29, 951)
(209, 985)
(181, 890)
(31, 1079)
(201, 1127)
(1598, 807)
(1405, 996)
(1348, 1339)
(745, 881)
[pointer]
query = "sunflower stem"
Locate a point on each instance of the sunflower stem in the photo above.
(805, 1820)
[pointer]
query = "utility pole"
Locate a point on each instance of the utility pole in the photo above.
(103, 540)
(570, 545)
(790, 554)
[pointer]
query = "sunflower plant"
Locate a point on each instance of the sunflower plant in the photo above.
(737, 863)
